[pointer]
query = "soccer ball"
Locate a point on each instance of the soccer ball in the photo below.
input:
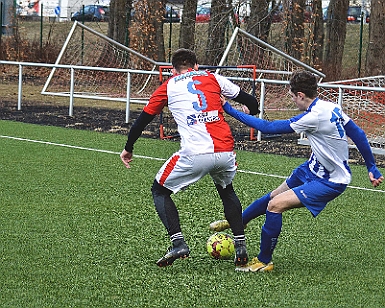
(220, 246)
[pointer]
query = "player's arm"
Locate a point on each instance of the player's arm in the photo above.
(234, 92)
(136, 130)
(266, 127)
(155, 105)
(249, 101)
(354, 132)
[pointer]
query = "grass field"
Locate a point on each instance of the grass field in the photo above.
(80, 230)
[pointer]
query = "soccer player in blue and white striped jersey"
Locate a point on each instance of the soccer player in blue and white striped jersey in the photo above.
(316, 182)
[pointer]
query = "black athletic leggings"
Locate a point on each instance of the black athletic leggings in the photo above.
(169, 216)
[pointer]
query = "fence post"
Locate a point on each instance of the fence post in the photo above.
(128, 96)
(41, 26)
(20, 87)
(72, 85)
(1, 32)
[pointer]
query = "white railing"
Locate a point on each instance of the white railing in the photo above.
(72, 93)
(129, 99)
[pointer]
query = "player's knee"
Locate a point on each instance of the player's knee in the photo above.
(274, 206)
(158, 189)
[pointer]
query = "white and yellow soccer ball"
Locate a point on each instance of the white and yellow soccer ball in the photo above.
(220, 246)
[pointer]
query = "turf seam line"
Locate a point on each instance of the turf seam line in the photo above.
(159, 159)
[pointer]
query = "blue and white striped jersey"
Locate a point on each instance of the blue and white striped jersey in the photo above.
(323, 123)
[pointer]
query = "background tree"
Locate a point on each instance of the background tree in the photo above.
(187, 26)
(157, 10)
(375, 61)
(118, 24)
(259, 21)
(316, 38)
(335, 38)
(295, 34)
(219, 19)
(147, 28)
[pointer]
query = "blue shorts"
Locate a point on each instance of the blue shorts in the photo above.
(313, 191)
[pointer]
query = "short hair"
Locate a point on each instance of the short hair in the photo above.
(184, 59)
(305, 82)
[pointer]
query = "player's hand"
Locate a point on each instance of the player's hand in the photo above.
(375, 181)
(126, 158)
(223, 100)
(245, 109)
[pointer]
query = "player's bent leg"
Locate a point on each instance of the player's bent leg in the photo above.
(233, 213)
(254, 210)
(168, 214)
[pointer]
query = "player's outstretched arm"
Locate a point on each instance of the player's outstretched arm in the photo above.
(136, 130)
(359, 138)
(266, 127)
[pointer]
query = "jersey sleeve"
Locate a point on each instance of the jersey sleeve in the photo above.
(305, 122)
(358, 136)
(228, 89)
(158, 100)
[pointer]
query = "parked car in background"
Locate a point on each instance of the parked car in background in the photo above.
(171, 15)
(92, 13)
(203, 14)
(355, 13)
(277, 14)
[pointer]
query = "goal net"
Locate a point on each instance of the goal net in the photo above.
(363, 99)
(91, 65)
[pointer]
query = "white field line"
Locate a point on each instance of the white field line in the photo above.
(159, 159)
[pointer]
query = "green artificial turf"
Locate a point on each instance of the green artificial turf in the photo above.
(78, 229)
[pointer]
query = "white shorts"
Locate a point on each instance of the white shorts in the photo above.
(178, 171)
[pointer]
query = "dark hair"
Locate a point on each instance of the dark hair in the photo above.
(305, 82)
(183, 59)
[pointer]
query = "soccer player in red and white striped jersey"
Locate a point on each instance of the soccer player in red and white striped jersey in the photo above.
(207, 147)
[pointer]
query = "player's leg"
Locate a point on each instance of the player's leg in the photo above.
(233, 213)
(313, 194)
(271, 230)
(255, 209)
(259, 206)
(223, 174)
(177, 173)
(168, 214)
(174, 175)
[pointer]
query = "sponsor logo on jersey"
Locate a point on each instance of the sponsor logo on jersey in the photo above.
(203, 117)
(190, 74)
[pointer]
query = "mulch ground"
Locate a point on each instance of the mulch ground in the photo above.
(113, 121)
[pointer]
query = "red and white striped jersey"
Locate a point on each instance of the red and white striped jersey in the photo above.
(195, 103)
